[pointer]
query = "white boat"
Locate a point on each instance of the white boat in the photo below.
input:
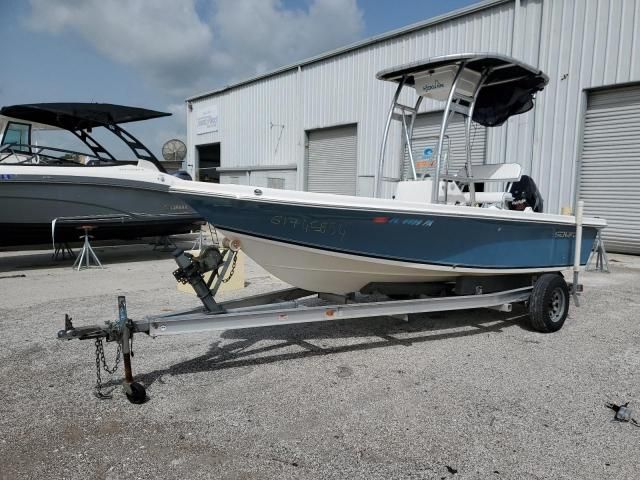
(47, 193)
(481, 221)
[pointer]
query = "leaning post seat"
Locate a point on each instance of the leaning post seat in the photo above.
(506, 173)
(499, 172)
(419, 191)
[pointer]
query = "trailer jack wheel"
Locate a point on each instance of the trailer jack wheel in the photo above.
(136, 393)
(549, 303)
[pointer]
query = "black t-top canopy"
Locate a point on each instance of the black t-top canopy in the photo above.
(79, 116)
(508, 90)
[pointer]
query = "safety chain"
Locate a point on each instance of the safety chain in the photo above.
(233, 268)
(101, 360)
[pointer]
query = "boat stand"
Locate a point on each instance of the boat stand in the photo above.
(164, 244)
(199, 243)
(61, 250)
(87, 255)
(598, 261)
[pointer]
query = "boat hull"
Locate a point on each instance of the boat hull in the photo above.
(318, 270)
(120, 208)
(340, 248)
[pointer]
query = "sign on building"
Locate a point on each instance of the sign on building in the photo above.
(207, 120)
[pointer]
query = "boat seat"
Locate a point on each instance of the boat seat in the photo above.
(503, 172)
(500, 172)
(420, 191)
(489, 197)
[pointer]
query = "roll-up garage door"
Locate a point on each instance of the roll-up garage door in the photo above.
(610, 168)
(425, 142)
(332, 161)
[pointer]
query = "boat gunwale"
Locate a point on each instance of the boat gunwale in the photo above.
(410, 208)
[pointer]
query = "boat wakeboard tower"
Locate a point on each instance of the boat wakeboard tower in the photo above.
(430, 248)
(79, 119)
(483, 88)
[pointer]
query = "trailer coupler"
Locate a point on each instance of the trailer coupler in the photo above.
(83, 333)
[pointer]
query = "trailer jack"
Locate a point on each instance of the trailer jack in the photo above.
(121, 332)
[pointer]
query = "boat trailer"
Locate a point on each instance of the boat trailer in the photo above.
(546, 296)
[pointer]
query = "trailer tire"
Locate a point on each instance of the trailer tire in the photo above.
(138, 394)
(549, 303)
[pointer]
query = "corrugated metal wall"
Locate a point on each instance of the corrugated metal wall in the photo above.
(332, 161)
(249, 123)
(610, 168)
(579, 43)
(584, 44)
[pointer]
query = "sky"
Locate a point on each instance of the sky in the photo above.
(155, 53)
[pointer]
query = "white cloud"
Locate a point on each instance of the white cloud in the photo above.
(164, 39)
(258, 35)
(183, 47)
(181, 53)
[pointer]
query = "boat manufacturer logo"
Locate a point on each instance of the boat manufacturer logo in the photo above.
(178, 206)
(324, 227)
(7, 176)
(436, 85)
(564, 234)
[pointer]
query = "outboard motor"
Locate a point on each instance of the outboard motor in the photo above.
(183, 175)
(526, 194)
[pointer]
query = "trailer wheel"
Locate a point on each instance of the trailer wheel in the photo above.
(549, 303)
(138, 393)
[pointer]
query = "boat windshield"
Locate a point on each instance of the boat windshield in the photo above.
(17, 134)
(29, 154)
(28, 144)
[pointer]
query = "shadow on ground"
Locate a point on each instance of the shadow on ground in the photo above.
(108, 253)
(370, 333)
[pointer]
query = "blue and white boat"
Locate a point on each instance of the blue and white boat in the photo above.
(480, 221)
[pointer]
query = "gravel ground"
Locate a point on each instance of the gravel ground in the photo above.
(473, 394)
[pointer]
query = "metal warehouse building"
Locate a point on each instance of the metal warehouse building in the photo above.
(317, 125)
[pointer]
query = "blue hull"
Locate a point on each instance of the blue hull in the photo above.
(446, 240)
